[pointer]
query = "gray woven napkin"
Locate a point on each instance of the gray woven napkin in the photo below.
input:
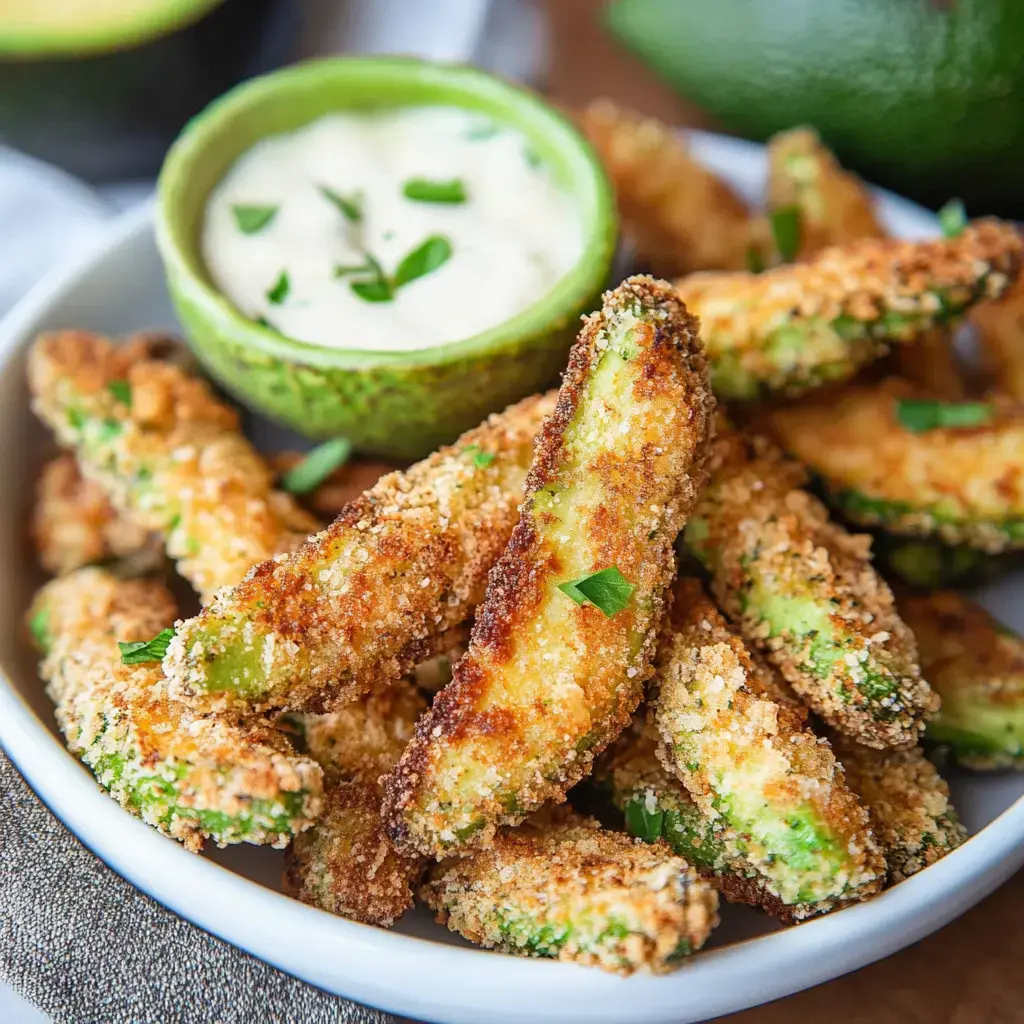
(86, 947)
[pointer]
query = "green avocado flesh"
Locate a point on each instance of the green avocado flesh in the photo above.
(863, 508)
(924, 96)
(157, 799)
(979, 732)
(82, 26)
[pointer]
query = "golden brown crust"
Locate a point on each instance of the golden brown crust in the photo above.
(369, 597)
(803, 591)
(834, 205)
(681, 216)
(74, 524)
(172, 457)
(346, 864)
(908, 802)
(192, 776)
(960, 483)
(753, 762)
(547, 683)
(560, 886)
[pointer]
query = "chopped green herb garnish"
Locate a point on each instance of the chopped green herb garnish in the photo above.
(252, 219)
(379, 287)
(786, 232)
(282, 286)
(607, 589)
(423, 260)
(344, 270)
(39, 627)
(350, 207)
(317, 466)
(264, 322)
(424, 190)
(377, 290)
(952, 218)
(76, 419)
(122, 391)
(755, 261)
(481, 459)
(921, 414)
(142, 651)
(479, 132)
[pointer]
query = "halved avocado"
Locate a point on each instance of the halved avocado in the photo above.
(102, 88)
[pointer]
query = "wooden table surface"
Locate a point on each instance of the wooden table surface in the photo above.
(971, 971)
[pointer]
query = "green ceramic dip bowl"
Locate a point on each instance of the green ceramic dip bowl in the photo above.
(397, 404)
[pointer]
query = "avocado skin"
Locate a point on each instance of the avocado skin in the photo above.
(112, 115)
(398, 411)
(924, 96)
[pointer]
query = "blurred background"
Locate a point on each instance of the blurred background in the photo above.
(925, 96)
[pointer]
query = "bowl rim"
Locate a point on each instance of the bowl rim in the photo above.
(143, 26)
(494, 95)
(362, 962)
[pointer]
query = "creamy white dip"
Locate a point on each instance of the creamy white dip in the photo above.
(297, 207)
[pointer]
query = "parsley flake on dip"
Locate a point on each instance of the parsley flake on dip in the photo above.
(391, 230)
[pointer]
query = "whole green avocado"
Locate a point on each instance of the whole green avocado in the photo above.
(925, 96)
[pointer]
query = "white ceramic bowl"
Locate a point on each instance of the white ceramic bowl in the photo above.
(418, 969)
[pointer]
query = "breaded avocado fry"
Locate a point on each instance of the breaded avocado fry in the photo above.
(73, 524)
(369, 597)
(976, 665)
(345, 863)
(813, 201)
(559, 886)
(563, 641)
(799, 326)
(751, 764)
(893, 456)
(803, 591)
(680, 216)
(907, 801)
(167, 453)
(190, 776)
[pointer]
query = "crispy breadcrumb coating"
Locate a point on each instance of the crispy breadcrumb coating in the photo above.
(907, 801)
(560, 886)
(1000, 327)
(190, 776)
(752, 764)
(656, 805)
(799, 326)
(976, 665)
(364, 739)
(369, 597)
(167, 453)
(73, 524)
(962, 484)
(680, 215)
(548, 682)
(803, 591)
(345, 863)
(832, 206)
